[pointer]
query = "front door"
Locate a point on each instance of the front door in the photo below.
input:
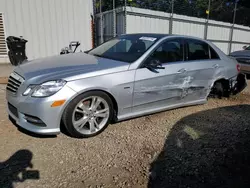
(157, 88)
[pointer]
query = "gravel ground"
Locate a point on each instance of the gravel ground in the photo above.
(199, 146)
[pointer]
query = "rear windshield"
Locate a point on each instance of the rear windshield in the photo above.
(127, 48)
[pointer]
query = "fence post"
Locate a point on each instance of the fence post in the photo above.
(101, 22)
(171, 18)
(125, 17)
(232, 29)
(94, 24)
(92, 31)
(230, 39)
(205, 30)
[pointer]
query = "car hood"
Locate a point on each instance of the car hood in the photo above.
(242, 53)
(68, 67)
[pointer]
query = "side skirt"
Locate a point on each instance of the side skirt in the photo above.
(155, 110)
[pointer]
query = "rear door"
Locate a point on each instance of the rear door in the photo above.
(203, 66)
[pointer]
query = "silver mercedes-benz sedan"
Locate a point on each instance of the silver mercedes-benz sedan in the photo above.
(127, 76)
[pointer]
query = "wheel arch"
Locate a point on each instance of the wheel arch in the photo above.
(226, 85)
(114, 102)
(111, 96)
(223, 80)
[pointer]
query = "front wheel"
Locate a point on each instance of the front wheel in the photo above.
(88, 114)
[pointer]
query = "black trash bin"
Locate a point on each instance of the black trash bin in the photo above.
(17, 48)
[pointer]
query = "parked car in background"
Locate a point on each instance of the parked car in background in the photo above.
(128, 76)
(243, 57)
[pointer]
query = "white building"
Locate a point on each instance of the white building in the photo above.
(48, 25)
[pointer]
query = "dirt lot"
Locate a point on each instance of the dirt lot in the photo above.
(199, 146)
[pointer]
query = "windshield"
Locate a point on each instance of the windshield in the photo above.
(127, 48)
(248, 48)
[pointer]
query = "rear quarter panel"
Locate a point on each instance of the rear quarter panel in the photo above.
(227, 63)
(230, 66)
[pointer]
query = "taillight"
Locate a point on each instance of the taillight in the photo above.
(238, 67)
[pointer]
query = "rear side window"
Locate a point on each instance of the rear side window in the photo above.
(197, 50)
(213, 54)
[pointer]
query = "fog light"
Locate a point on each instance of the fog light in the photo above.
(34, 120)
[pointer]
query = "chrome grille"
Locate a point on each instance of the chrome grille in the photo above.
(14, 82)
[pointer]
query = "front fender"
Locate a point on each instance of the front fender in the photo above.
(119, 85)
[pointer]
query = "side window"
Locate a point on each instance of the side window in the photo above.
(213, 54)
(197, 50)
(169, 51)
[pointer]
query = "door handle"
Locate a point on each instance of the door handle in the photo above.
(215, 66)
(181, 71)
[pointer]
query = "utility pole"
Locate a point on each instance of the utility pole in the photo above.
(232, 29)
(208, 14)
(209, 7)
(235, 10)
(172, 8)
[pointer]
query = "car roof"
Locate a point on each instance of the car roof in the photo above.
(162, 35)
(156, 35)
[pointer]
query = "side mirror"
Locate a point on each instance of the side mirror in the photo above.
(244, 47)
(154, 64)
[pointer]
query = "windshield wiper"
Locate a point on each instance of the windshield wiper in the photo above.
(97, 55)
(86, 52)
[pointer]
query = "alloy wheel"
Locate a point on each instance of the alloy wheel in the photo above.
(90, 115)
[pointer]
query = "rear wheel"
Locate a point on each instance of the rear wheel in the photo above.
(88, 114)
(220, 89)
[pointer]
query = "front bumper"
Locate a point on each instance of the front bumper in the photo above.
(19, 107)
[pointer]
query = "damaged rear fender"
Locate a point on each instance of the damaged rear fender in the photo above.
(239, 84)
(230, 86)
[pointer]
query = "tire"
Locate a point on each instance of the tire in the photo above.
(219, 89)
(85, 100)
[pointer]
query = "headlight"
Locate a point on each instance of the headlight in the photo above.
(46, 89)
(29, 90)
